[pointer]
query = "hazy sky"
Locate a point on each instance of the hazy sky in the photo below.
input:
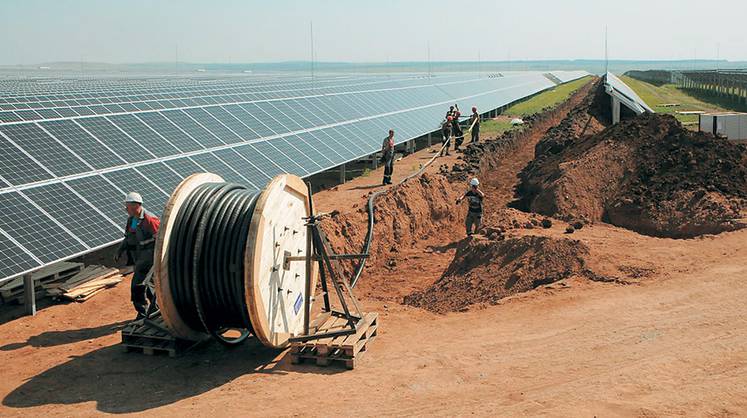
(34, 31)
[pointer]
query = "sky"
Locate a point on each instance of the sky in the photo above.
(250, 31)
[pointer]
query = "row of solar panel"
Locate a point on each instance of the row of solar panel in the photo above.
(22, 90)
(70, 108)
(60, 218)
(210, 94)
(40, 151)
(82, 110)
(198, 90)
(70, 147)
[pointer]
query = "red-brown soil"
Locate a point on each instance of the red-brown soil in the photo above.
(485, 270)
(647, 173)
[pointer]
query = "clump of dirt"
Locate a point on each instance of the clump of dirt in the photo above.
(402, 216)
(648, 174)
(589, 117)
(486, 270)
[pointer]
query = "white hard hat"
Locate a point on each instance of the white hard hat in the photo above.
(474, 182)
(133, 197)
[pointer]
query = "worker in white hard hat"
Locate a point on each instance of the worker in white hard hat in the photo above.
(474, 197)
(138, 243)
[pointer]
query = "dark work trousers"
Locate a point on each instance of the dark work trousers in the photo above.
(476, 134)
(445, 134)
(458, 136)
(473, 218)
(388, 169)
(138, 290)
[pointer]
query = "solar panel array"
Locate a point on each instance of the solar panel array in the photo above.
(629, 97)
(71, 149)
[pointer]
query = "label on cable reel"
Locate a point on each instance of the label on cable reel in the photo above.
(298, 304)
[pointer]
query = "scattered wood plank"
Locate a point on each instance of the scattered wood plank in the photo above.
(84, 285)
(12, 291)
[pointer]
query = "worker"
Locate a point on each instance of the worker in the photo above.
(138, 243)
(387, 151)
(474, 197)
(474, 122)
(458, 134)
(451, 112)
(446, 134)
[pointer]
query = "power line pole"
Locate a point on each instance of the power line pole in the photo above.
(479, 65)
(606, 52)
(428, 46)
(311, 30)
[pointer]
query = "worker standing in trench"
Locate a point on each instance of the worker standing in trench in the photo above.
(445, 135)
(387, 150)
(139, 243)
(474, 122)
(457, 130)
(474, 197)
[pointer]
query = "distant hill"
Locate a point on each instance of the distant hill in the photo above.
(592, 66)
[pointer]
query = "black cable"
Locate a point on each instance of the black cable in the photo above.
(370, 207)
(206, 259)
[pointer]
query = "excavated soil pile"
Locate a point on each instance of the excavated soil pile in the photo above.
(474, 155)
(587, 118)
(402, 216)
(486, 270)
(648, 174)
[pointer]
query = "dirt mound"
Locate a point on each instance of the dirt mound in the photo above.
(648, 174)
(421, 206)
(486, 270)
(589, 117)
(685, 183)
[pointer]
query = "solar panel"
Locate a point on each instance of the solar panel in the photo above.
(114, 139)
(102, 195)
(129, 180)
(36, 231)
(184, 166)
(87, 223)
(16, 167)
(193, 128)
(166, 178)
(170, 131)
(81, 143)
(14, 259)
(44, 149)
(84, 143)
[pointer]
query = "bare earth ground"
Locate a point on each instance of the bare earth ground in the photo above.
(671, 341)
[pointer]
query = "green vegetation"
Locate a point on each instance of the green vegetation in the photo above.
(546, 99)
(494, 128)
(669, 94)
(535, 104)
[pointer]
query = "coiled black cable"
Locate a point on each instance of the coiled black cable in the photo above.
(206, 259)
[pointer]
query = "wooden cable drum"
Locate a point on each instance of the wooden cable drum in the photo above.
(219, 260)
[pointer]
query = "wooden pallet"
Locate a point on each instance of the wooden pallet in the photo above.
(143, 337)
(12, 291)
(346, 349)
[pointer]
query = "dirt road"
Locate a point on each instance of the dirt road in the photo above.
(674, 344)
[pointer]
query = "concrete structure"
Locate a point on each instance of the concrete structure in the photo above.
(729, 125)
